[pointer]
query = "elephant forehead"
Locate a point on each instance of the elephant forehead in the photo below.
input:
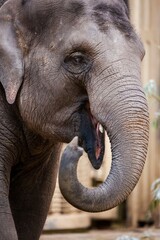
(78, 6)
(82, 30)
(102, 13)
(40, 14)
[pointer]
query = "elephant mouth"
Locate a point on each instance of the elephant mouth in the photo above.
(92, 136)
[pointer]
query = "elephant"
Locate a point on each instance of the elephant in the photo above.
(2, 2)
(69, 69)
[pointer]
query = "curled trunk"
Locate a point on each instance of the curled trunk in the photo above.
(123, 112)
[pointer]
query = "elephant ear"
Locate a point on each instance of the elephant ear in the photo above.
(11, 57)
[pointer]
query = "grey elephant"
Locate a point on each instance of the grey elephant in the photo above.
(67, 68)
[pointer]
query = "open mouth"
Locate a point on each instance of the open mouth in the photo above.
(92, 136)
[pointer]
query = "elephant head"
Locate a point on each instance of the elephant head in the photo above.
(72, 68)
(117, 102)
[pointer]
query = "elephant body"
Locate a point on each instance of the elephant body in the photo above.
(67, 68)
(28, 171)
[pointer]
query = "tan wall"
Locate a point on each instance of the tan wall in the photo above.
(146, 18)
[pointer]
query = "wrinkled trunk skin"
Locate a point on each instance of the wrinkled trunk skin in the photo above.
(119, 104)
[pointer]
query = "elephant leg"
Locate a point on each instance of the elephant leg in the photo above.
(30, 202)
(7, 226)
(7, 160)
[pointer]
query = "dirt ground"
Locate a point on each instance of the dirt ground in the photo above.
(142, 234)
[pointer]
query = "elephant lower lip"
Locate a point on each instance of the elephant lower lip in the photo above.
(96, 153)
(99, 147)
(98, 131)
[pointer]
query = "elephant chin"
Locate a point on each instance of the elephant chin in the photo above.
(92, 137)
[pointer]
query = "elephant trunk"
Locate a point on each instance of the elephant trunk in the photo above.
(124, 114)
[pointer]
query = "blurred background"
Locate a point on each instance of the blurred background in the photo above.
(143, 206)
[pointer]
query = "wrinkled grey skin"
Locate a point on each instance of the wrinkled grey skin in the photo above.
(1, 2)
(64, 66)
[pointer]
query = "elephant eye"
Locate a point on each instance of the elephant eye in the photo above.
(77, 63)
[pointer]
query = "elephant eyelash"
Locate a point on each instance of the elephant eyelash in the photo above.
(82, 47)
